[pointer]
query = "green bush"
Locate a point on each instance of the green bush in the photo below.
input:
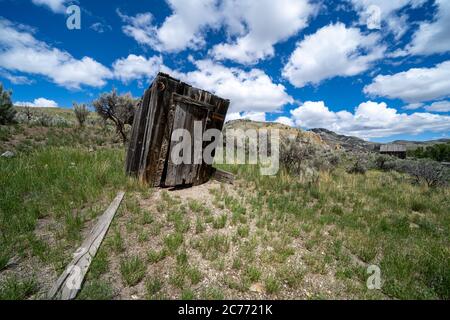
(381, 162)
(437, 152)
(7, 111)
(119, 109)
(81, 113)
(294, 155)
(424, 171)
(358, 167)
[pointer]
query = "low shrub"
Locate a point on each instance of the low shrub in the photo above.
(81, 113)
(7, 111)
(294, 154)
(358, 167)
(432, 173)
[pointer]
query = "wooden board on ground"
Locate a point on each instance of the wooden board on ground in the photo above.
(69, 283)
(224, 176)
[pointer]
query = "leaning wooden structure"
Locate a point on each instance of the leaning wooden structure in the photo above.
(169, 104)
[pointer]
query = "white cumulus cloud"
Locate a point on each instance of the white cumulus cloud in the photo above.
(254, 116)
(439, 106)
(136, 67)
(433, 37)
(184, 28)
(286, 121)
(245, 22)
(20, 51)
(333, 50)
(385, 14)
(57, 6)
(369, 120)
(249, 91)
(254, 27)
(39, 102)
(415, 85)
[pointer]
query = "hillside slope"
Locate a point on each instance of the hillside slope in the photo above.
(348, 143)
(286, 133)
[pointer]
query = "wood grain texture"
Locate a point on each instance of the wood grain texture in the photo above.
(69, 283)
(148, 155)
(224, 176)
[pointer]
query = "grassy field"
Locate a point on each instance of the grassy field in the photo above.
(264, 237)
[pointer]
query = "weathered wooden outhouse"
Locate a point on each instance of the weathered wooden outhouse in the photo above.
(169, 104)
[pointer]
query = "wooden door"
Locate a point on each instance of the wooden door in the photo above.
(187, 112)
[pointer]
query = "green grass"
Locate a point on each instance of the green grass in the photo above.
(187, 294)
(379, 217)
(153, 285)
(212, 246)
(154, 256)
(195, 206)
(132, 270)
(173, 242)
(100, 264)
(194, 275)
(116, 241)
(252, 273)
(212, 293)
(272, 285)
(14, 288)
(220, 222)
(96, 290)
(5, 132)
(54, 183)
(243, 231)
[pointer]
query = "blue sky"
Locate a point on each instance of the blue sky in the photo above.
(377, 69)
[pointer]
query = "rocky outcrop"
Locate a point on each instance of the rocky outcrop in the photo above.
(347, 143)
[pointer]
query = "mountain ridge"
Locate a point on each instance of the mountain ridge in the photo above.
(331, 138)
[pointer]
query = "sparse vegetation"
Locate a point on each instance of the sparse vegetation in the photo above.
(132, 270)
(438, 152)
(17, 289)
(153, 285)
(430, 172)
(273, 237)
(119, 109)
(81, 113)
(294, 154)
(96, 290)
(173, 241)
(358, 167)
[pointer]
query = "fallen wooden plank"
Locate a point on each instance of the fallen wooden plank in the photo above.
(69, 283)
(11, 263)
(223, 176)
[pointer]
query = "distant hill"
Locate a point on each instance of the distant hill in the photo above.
(356, 144)
(286, 132)
(324, 137)
(346, 142)
(411, 145)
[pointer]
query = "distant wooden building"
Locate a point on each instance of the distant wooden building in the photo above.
(168, 105)
(396, 150)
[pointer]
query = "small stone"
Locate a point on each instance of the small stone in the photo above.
(413, 226)
(8, 154)
(257, 287)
